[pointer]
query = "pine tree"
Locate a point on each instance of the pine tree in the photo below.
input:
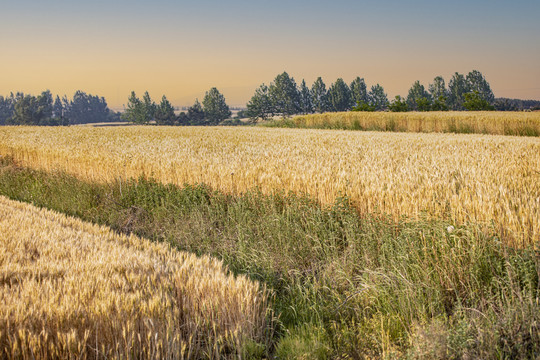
(149, 107)
(320, 96)
(359, 91)
(439, 94)
(44, 107)
(339, 95)
(306, 100)
(165, 112)
(284, 95)
(182, 119)
(418, 98)
(377, 98)
(6, 109)
(457, 88)
(58, 111)
(135, 111)
(196, 114)
(25, 110)
(215, 108)
(259, 106)
(438, 88)
(476, 82)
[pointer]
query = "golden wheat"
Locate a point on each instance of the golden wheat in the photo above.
(478, 122)
(463, 178)
(70, 289)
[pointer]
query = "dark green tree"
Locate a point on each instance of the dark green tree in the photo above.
(182, 119)
(58, 111)
(45, 108)
(339, 95)
(114, 116)
(359, 91)
(438, 88)
(135, 112)
(215, 108)
(475, 102)
(149, 106)
(6, 109)
(423, 104)
(65, 105)
(259, 106)
(439, 94)
(138, 111)
(476, 82)
(25, 110)
(457, 88)
(503, 104)
(398, 105)
(306, 100)
(363, 106)
(165, 113)
(284, 95)
(377, 98)
(320, 96)
(86, 108)
(196, 114)
(418, 98)
(32, 110)
(99, 110)
(439, 104)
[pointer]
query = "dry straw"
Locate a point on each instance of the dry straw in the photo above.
(465, 178)
(71, 290)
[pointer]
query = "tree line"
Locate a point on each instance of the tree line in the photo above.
(25, 109)
(505, 104)
(212, 111)
(284, 97)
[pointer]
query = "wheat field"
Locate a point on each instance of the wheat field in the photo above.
(478, 122)
(491, 180)
(73, 290)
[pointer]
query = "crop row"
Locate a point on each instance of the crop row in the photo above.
(467, 122)
(70, 289)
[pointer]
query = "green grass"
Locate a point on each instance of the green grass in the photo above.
(346, 285)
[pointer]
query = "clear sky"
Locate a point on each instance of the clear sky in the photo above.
(183, 48)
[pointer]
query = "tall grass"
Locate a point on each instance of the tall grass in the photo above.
(70, 289)
(345, 286)
(464, 122)
(461, 178)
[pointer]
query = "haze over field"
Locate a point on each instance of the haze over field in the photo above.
(182, 48)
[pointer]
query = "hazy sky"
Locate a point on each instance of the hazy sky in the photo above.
(183, 48)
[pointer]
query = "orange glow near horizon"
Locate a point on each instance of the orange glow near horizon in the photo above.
(183, 83)
(237, 46)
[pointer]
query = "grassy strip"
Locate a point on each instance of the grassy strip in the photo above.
(345, 285)
(460, 122)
